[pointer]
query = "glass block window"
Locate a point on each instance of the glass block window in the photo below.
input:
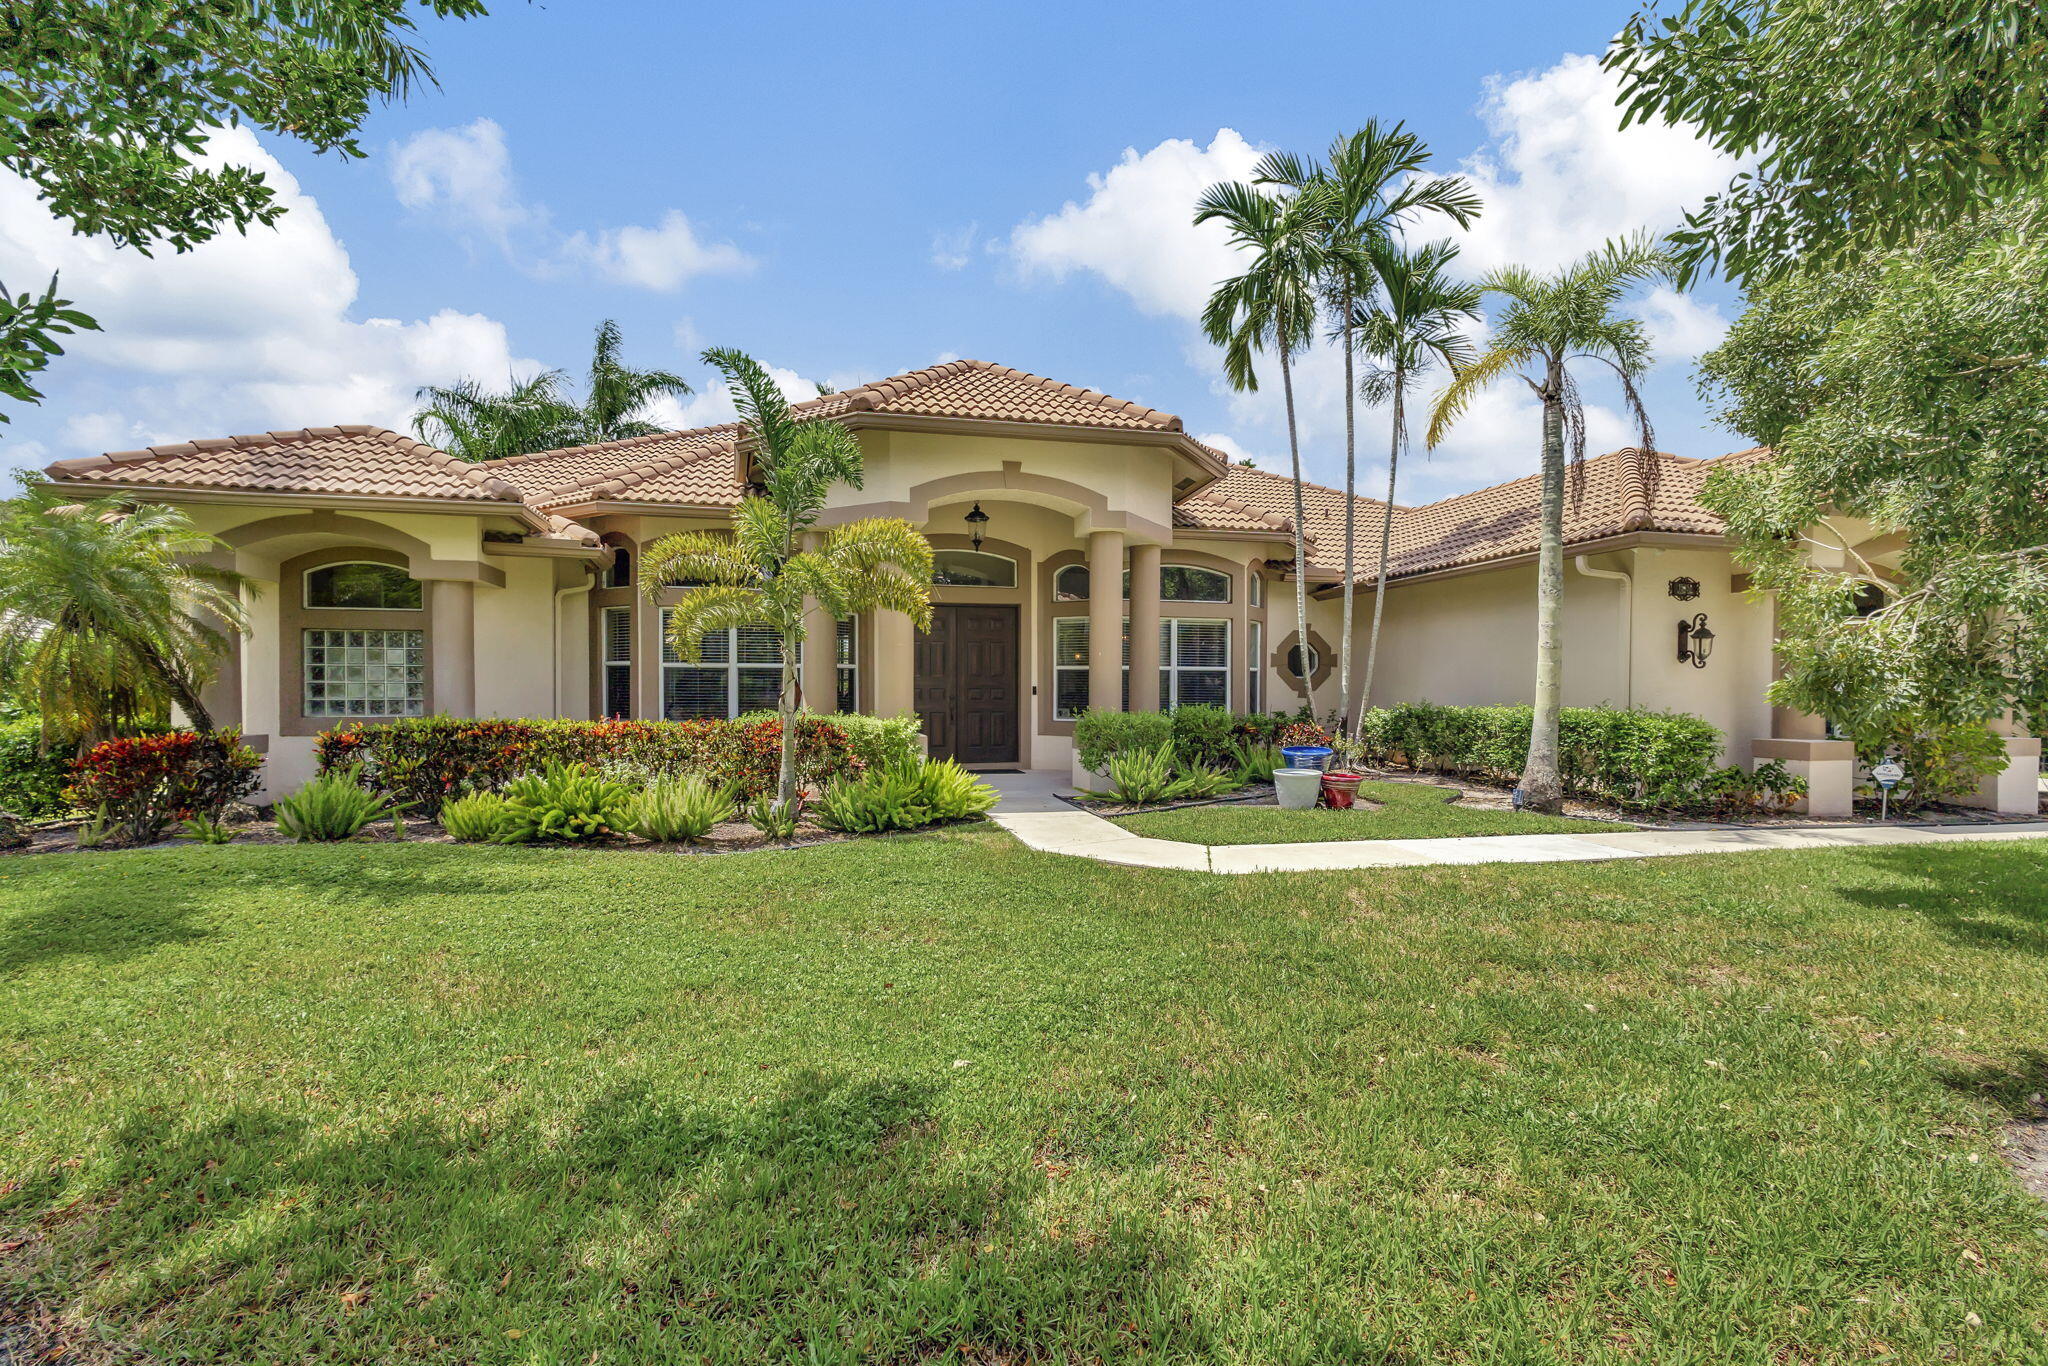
(973, 569)
(1069, 667)
(739, 670)
(617, 626)
(1070, 584)
(365, 673)
(363, 587)
(848, 655)
(1194, 662)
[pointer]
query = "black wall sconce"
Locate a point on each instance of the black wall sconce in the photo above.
(1695, 641)
(976, 520)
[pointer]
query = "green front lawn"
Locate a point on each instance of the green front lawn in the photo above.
(1407, 811)
(940, 1098)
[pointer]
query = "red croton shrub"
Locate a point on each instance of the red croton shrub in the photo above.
(424, 761)
(142, 783)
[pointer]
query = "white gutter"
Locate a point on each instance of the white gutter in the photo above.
(555, 637)
(1628, 616)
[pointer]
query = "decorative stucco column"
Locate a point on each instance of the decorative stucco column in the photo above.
(895, 685)
(1106, 620)
(451, 645)
(1144, 628)
(2016, 789)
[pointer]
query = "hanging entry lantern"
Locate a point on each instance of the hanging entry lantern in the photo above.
(1695, 641)
(977, 520)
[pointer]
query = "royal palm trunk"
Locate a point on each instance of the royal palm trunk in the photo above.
(1308, 687)
(1542, 789)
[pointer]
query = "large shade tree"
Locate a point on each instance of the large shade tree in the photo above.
(1271, 305)
(1414, 325)
(1368, 188)
(109, 615)
(761, 574)
(473, 422)
(1545, 324)
(106, 108)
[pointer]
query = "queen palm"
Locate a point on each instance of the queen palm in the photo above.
(1271, 305)
(1414, 325)
(107, 612)
(1370, 187)
(472, 422)
(1549, 321)
(760, 575)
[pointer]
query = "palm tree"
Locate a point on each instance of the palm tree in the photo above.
(1370, 187)
(474, 423)
(758, 575)
(1415, 325)
(1549, 321)
(1272, 304)
(471, 422)
(616, 393)
(103, 612)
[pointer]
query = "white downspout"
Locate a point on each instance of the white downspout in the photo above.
(555, 636)
(1628, 617)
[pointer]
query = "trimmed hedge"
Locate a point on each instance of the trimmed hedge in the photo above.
(32, 781)
(424, 761)
(1634, 759)
(1201, 734)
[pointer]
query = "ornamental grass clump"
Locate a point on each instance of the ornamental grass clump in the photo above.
(678, 810)
(903, 796)
(473, 818)
(564, 803)
(1146, 777)
(334, 806)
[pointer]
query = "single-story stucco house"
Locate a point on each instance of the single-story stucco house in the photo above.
(396, 580)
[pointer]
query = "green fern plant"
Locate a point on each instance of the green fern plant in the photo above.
(566, 802)
(888, 798)
(96, 830)
(332, 807)
(678, 810)
(207, 830)
(954, 794)
(1255, 763)
(474, 818)
(776, 820)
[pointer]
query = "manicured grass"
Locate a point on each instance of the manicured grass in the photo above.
(940, 1098)
(1407, 811)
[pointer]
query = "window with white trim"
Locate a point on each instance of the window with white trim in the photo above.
(1194, 662)
(355, 672)
(739, 670)
(1070, 583)
(1255, 670)
(1258, 587)
(846, 675)
(616, 632)
(1069, 667)
(362, 586)
(973, 569)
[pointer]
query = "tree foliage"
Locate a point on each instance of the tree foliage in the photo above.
(1902, 521)
(106, 106)
(108, 613)
(472, 422)
(1868, 120)
(761, 574)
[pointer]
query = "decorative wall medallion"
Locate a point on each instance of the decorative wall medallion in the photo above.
(1685, 589)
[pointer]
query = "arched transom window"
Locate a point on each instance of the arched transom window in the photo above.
(973, 569)
(362, 587)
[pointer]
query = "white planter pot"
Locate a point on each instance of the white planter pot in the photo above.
(1299, 788)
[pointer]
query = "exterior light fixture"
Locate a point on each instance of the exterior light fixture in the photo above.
(976, 521)
(1685, 588)
(1695, 641)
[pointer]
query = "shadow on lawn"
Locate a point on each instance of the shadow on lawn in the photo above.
(1980, 903)
(829, 1219)
(82, 920)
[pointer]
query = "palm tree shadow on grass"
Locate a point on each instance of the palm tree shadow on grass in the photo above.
(1975, 902)
(831, 1213)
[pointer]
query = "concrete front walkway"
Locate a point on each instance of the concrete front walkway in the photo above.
(1047, 824)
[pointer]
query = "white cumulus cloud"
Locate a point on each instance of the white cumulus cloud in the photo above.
(662, 258)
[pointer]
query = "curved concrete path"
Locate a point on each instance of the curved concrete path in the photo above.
(1031, 811)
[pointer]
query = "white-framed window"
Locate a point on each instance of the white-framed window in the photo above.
(616, 632)
(1194, 663)
(1191, 583)
(1258, 587)
(362, 586)
(1255, 669)
(357, 672)
(973, 569)
(1070, 583)
(847, 674)
(740, 670)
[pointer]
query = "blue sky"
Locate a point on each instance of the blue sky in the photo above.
(850, 192)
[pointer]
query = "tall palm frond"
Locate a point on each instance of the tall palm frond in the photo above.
(616, 393)
(471, 422)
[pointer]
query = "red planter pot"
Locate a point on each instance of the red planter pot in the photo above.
(1340, 789)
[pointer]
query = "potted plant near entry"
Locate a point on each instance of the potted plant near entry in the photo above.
(1340, 789)
(1304, 744)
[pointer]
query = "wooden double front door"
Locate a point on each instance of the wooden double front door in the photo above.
(967, 684)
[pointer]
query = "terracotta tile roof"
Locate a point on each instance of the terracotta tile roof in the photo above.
(977, 389)
(358, 461)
